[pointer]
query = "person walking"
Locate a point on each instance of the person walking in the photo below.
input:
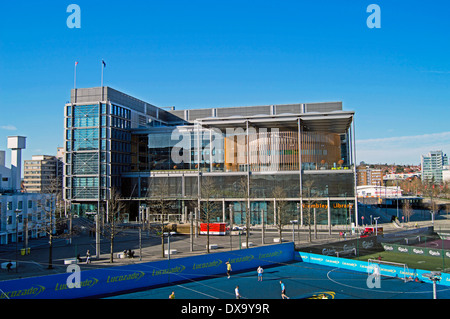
(283, 291)
(260, 271)
(228, 269)
(236, 291)
(88, 257)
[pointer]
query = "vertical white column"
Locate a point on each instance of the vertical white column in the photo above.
(16, 144)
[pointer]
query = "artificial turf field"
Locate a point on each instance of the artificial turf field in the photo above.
(302, 280)
(413, 261)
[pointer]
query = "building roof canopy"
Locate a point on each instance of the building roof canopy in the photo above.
(333, 122)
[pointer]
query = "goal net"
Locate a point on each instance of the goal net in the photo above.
(388, 269)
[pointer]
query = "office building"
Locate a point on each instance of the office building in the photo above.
(43, 174)
(249, 161)
(369, 176)
(432, 166)
(98, 124)
(22, 215)
(446, 174)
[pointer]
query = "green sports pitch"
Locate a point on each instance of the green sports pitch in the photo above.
(412, 261)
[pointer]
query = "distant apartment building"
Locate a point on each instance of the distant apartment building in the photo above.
(43, 174)
(379, 191)
(432, 166)
(22, 215)
(369, 176)
(446, 174)
(401, 176)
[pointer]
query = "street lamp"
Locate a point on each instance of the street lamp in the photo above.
(376, 225)
(293, 222)
(17, 211)
(168, 234)
(434, 276)
(397, 196)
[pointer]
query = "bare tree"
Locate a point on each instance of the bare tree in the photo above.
(47, 223)
(208, 208)
(160, 204)
(307, 192)
(407, 210)
(54, 187)
(279, 193)
(115, 217)
(244, 189)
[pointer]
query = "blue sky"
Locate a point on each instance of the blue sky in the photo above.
(194, 54)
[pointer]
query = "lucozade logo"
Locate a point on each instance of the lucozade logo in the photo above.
(33, 291)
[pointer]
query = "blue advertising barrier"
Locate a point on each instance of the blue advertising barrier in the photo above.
(114, 280)
(363, 266)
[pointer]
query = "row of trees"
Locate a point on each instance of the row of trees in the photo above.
(416, 186)
(210, 207)
(161, 204)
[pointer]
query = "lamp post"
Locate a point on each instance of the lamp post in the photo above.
(434, 276)
(293, 222)
(17, 211)
(231, 226)
(262, 226)
(168, 234)
(376, 225)
(142, 208)
(397, 196)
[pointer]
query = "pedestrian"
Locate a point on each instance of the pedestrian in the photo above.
(9, 265)
(283, 291)
(88, 257)
(172, 295)
(236, 291)
(260, 271)
(228, 269)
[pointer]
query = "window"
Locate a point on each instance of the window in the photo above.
(86, 116)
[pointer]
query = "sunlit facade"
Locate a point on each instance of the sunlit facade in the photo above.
(432, 166)
(245, 160)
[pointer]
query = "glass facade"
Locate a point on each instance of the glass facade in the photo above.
(432, 165)
(98, 146)
(269, 161)
(236, 165)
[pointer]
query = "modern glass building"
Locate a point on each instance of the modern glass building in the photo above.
(98, 150)
(432, 166)
(236, 161)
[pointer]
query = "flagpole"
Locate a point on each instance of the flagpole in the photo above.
(102, 80)
(75, 77)
(75, 81)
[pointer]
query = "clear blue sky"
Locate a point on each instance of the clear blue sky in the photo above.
(194, 54)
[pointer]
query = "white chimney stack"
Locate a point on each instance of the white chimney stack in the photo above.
(16, 144)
